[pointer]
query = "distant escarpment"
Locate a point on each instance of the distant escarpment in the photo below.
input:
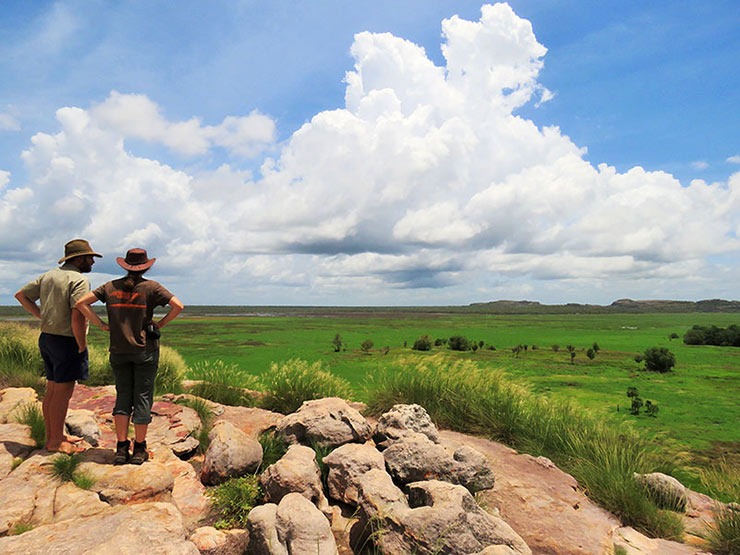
(618, 306)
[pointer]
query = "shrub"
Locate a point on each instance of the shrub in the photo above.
(234, 499)
(30, 414)
(223, 383)
(336, 343)
(596, 347)
(385, 350)
(440, 341)
(590, 353)
(659, 359)
(712, 335)
(459, 343)
(288, 384)
(20, 528)
(555, 347)
(367, 345)
(423, 343)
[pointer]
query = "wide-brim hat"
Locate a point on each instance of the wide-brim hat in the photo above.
(78, 247)
(136, 261)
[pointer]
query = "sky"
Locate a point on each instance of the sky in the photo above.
(416, 152)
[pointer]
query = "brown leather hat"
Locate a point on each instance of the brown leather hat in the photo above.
(78, 247)
(136, 260)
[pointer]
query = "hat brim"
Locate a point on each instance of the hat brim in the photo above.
(135, 267)
(84, 253)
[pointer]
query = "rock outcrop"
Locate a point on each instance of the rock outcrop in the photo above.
(409, 492)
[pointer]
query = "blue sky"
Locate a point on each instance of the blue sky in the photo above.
(310, 153)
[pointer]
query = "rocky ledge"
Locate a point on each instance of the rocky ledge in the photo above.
(398, 482)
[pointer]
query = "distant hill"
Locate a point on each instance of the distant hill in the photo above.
(618, 306)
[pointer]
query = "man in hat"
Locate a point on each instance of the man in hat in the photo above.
(63, 339)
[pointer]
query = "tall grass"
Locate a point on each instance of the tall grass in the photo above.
(31, 415)
(172, 371)
(724, 532)
(602, 457)
(223, 383)
(722, 480)
(288, 384)
(20, 361)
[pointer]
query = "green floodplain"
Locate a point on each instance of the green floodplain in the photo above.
(699, 401)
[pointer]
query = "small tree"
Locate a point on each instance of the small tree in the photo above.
(555, 348)
(590, 353)
(651, 409)
(636, 405)
(459, 343)
(595, 347)
(337, 343)
(424, 343)
(572, 356)
(659, 359)
(367, 345)
(673, 336)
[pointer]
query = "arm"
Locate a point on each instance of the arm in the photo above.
(83, 306)
(31, 307)
(176, 307)
(79, 329)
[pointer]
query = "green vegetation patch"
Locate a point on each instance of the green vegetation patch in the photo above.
(233, 500)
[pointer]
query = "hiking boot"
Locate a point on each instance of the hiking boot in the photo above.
(140, 453)
(122, 455)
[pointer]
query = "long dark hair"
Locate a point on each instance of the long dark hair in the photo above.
(132, 278)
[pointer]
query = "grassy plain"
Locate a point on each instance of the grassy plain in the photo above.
(698, 402)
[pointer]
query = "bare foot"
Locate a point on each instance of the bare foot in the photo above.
(72, 439)
(65, 447)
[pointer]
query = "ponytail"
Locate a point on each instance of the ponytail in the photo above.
(132, 278)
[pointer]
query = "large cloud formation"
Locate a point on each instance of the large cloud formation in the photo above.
(426, 178)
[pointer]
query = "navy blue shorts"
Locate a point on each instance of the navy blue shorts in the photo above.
(62, 360)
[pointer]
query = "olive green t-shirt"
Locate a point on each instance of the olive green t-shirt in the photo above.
(130, 311)
(59, 289)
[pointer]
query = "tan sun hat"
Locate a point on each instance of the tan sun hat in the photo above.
(78, 247)
(136, 260)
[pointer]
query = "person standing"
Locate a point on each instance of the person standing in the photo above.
(63, 339)
(134, 346)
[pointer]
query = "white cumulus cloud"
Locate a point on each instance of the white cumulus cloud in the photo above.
(426, 178)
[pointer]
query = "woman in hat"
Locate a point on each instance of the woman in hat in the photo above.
(134, 346)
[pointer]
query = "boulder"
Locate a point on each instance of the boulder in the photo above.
(302, 528)
(28, 494)
(12, 399)
(472, 469)
(295, 472)
(6, 461)
(82, 423)
(129, 483)
(73, 502)
(402, 419)
(16, 438)
(346, 465)
(633, 542)
(329, 421)
(252, 421)
(666, 491)
(262, 528)
(210, 541)
(414, 457)
(141, 528)
(437, 517)
(231, 453)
